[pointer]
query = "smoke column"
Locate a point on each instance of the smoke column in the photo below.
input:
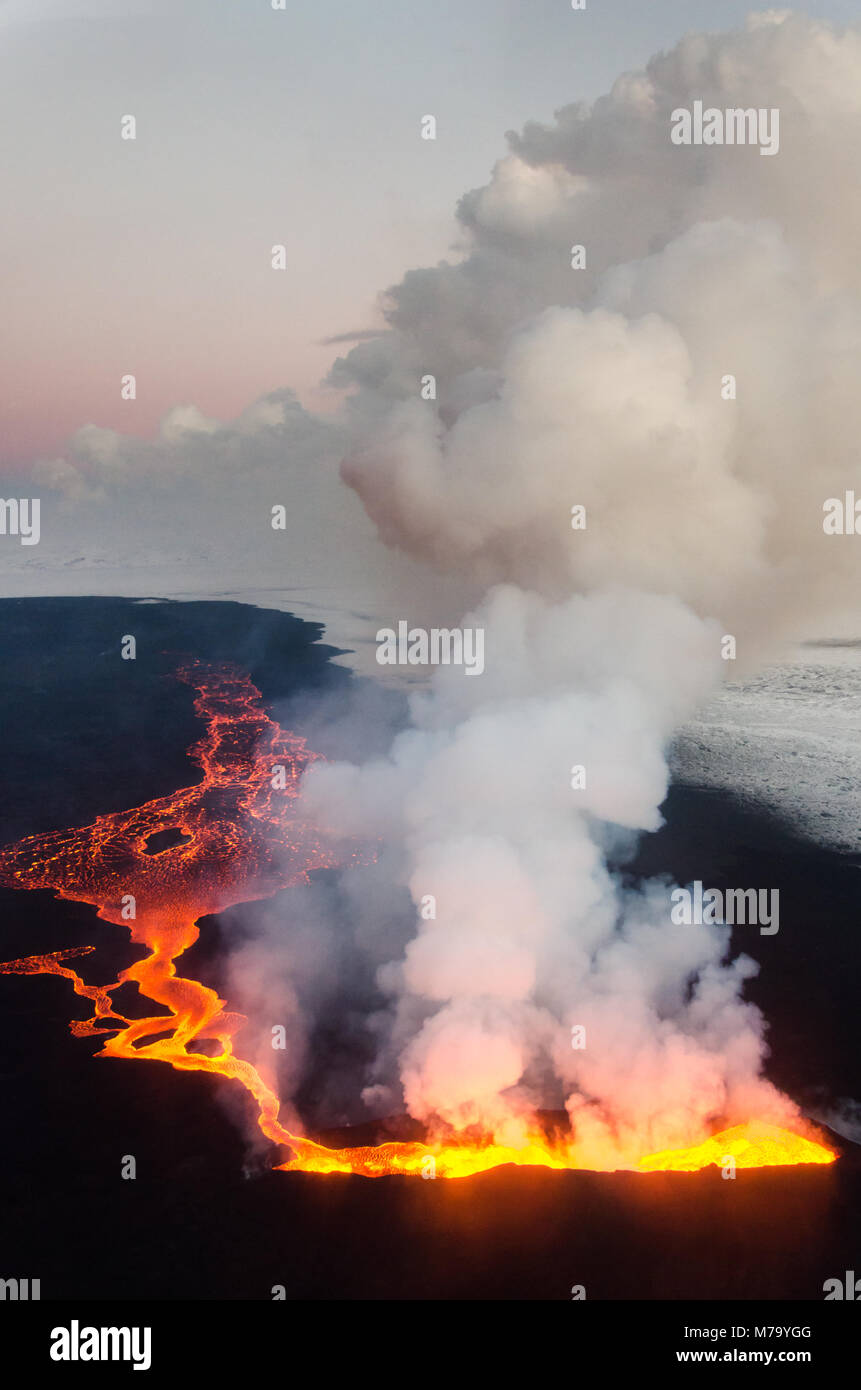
(603, 387)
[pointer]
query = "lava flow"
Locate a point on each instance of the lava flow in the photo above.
(240, 839)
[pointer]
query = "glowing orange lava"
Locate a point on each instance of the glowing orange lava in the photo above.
(243, 841)
(751, 1146)
(755, 1145)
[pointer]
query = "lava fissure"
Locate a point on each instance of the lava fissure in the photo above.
(236, 837)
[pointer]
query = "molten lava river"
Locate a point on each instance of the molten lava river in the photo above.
(242, 840)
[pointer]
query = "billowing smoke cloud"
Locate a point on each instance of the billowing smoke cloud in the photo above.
(604, 388)
(530, 934)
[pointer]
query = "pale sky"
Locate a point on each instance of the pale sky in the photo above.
(256, 127)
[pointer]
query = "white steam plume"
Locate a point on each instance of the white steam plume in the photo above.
(704, 515)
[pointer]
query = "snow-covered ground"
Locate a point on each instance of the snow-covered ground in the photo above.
(351, 622)
(788, 739)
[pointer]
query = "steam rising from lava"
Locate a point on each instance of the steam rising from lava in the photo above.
(232, 823)
(532, 934)
(603, 388)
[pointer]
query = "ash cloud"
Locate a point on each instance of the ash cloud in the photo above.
(603, 388)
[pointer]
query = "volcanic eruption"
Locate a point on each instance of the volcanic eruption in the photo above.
(236, 836)
(621, 472)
